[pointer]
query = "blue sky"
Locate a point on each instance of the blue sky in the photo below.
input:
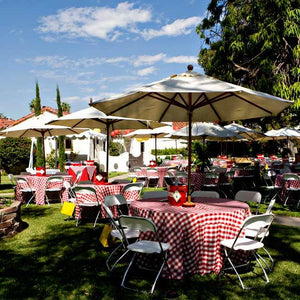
(91, 48)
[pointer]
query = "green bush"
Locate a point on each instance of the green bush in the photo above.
(51, 159)
(14, 154)
(170, 151)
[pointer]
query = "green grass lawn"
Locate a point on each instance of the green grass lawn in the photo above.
(53, 259)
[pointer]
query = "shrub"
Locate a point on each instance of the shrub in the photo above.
(14, 154)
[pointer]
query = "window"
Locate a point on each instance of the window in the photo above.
(68, 144)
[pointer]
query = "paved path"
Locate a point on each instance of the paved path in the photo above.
(288, 221)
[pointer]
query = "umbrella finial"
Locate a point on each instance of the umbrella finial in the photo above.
(190, 68)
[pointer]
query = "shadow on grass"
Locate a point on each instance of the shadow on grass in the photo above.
(61, 261)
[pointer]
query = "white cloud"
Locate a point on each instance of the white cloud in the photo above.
(146, 71)
(178, 27)
(97, 22)
(146, 60)
(181, 59)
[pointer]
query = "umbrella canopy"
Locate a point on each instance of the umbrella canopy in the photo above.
(206, 130)
(155, 133)
(192, 96)
(93, 118)
(248, 133)
(37, 127)
(283, 133)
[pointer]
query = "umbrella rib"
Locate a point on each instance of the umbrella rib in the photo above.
(128, 104)
(227, 95)
(170, 100)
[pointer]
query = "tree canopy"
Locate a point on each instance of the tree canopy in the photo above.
(256, 44)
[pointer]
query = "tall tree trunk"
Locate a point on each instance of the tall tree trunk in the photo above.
(61, 139)
(39, 143)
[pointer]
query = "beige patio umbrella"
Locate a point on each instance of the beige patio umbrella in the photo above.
(155, 133)
(93, 118)
(37, 127)
(248, 133)
(192, 97)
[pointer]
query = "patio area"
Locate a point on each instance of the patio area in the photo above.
(51, 258)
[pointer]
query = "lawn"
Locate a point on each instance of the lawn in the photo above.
(52, 259)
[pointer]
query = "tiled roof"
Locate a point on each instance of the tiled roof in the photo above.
(32, 114)
(4, 122)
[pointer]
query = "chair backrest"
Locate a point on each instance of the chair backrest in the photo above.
(258, 222)
(181, 174)
(155, 194)
(211, 175)
(137, 223)
(290, 176)
(152, 169)
(67, 185)
(56, 181)
(130, 187)
(23, 182)
(206, 194)
(270, 206)
(114, 200)
(78, 176)
(87, 190)
(12, 179)
(245, 196)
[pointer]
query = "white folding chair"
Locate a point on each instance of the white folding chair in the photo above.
(155, 194)
(12, 179)
(54, 188)
(120, 202)
(291, 190)
(257, 231)
(249, 196)
(70, 190)
(205, 194)
(88, 196)
(152, 177)
(250, 245)
(25, 188)
(131, 188)
(142, 246)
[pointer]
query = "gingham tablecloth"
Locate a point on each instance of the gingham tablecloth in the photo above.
(88, 172)
(280, 182)
(39, 184)
(194, 233)
(197, 179)
(161, 173)
(102, 191)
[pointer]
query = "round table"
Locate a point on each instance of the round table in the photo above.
(194, 233)
(39, 184)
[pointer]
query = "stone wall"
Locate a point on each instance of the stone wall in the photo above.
(10, 220)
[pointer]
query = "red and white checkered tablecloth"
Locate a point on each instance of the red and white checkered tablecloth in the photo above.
(197, 179)
(194, 233)
(283, 184)
(161, 173)
(102, 191)
(88, 172)
(39, 184)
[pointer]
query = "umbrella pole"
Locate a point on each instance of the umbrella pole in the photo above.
(189, 203)
(107, 148)
(44, 155)
(155, 148)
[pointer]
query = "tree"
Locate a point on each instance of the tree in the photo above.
(255, 44)
(14, 154)
(39, 140)
(61, 139)
(65, 107)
